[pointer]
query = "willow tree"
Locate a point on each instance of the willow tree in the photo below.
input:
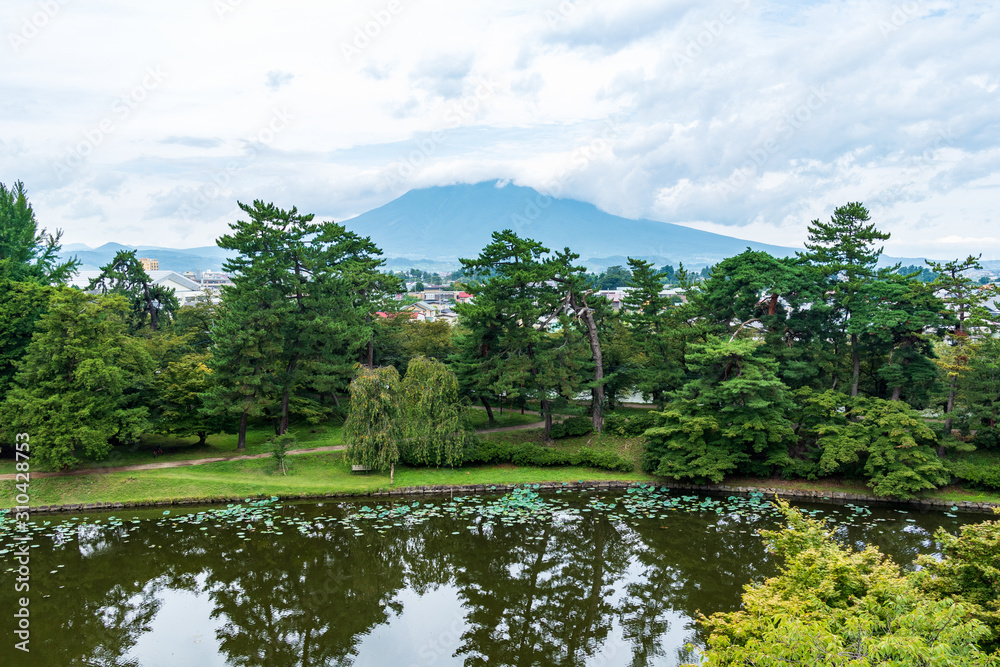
(435, 423)
(372, 429)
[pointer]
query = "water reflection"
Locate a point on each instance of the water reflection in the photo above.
(567, 588)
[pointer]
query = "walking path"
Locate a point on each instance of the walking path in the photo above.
(195, 462)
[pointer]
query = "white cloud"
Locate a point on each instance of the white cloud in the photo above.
(735, 116)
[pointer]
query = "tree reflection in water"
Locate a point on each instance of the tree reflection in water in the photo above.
(564, 589)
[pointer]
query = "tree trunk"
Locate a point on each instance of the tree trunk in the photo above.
(857, 364)
(283, 422)
(241, 439)
(202, 437)
(336, 401)
(597, 409)
(948, 420)
(544, 405)
(392, 472)
(489, 410)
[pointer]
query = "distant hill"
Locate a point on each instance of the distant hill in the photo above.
(171, 259)
(432, 227)
(441, 224)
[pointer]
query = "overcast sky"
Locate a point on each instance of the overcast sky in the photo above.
(144, 123)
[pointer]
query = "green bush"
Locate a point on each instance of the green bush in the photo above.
(979, 471)
(573, 426)
(629, 425)
(987, 437)
(495, 451)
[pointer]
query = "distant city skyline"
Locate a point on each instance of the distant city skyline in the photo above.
(144, 124)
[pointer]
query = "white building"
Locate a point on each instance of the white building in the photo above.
(187, 291)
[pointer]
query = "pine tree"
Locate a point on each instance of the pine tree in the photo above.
(27, 254)
(125, 275)
(517, 305)
(965, 298)
(732, 417)
(71, 392)
(845, 250)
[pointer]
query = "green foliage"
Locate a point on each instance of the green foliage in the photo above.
(27, 254)
(21, 305)
(886, 441)
(179, 390)
(731, 418)
(373, 428)
(280, 446)
(987, 437)
(435, 424)
(613, 278)
(572, 427)
(519, 341)
(298, 314)
(126, 276)
(977, 470)
(529, 454)
(72, 391)
(833, 606)
(618, 423)
(659, 332)
(968, 572)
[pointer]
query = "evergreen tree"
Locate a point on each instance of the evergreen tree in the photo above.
(659, 364)
(965, 298)
(26, 253)
(245, 352)
(844, 249)
(517, 305)
(125, 275)
(731, 418)
(72, 388)
(313, 288)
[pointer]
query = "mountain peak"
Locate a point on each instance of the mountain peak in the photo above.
(445, 222)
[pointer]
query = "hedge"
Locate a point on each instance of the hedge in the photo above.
(530, 454)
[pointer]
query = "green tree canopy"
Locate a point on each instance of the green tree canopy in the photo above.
(27, 253)
(732, 417)
(72, 392)
(435, 424)
(832, 606)
(373, 429)
(125, 275)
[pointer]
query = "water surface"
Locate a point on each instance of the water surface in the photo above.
(561, 578)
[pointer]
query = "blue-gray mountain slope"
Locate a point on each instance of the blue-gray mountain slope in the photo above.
(446, 222)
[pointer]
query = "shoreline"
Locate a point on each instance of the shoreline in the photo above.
(816, 496)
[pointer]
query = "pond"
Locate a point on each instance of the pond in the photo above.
(574, 577)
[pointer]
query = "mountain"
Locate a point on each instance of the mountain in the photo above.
(443, 223)
(171, 259)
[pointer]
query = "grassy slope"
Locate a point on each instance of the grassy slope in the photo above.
(328, 473)
(308, 474)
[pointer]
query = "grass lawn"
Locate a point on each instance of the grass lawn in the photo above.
(480, 419)
(317, 474)
(184, 449)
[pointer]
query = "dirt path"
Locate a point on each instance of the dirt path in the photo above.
(196, 462)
